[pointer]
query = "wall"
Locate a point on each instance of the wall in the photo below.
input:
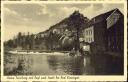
(116, 36)
(100, 35)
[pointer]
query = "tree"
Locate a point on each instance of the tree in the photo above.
(19, 39)
(76, 21)
(67, 39)
(32, 41)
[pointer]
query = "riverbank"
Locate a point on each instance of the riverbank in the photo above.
(46, 52)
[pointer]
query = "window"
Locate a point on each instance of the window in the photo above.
(90, 32)
(91, 39)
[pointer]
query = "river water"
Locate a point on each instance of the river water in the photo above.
(61, 65)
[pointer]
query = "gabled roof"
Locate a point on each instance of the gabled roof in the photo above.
(103, 16)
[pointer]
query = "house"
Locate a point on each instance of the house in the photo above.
(106, 32)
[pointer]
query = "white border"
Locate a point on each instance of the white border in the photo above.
(82, 78)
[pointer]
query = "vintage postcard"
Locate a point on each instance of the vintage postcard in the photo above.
(64, 41)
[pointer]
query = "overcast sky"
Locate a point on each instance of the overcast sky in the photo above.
(37, 17)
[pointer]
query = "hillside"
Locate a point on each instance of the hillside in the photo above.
(64, 33)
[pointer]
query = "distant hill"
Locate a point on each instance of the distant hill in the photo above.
(64, 24)
(64, 32)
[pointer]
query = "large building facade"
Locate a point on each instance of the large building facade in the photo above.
(89, 34)
(106, 32)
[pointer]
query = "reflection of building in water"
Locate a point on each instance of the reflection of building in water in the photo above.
(105, 31)
(87, 67)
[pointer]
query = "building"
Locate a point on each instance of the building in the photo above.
(105, 32)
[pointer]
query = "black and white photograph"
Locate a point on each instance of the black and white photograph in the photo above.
(63, 39)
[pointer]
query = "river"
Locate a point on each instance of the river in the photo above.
(61, 65)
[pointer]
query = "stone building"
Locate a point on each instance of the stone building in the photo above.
(106, 32)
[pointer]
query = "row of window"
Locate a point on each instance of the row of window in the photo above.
(90, 39)
(89, 32)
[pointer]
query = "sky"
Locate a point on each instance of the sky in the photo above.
(38, 17)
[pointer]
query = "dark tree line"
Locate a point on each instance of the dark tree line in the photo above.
(51, 41)
(21, 40)
(31, 41)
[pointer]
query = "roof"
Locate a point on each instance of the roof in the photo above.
(103, 16)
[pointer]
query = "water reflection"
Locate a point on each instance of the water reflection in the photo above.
(59, 65)
(19, 65)
(105, 64)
